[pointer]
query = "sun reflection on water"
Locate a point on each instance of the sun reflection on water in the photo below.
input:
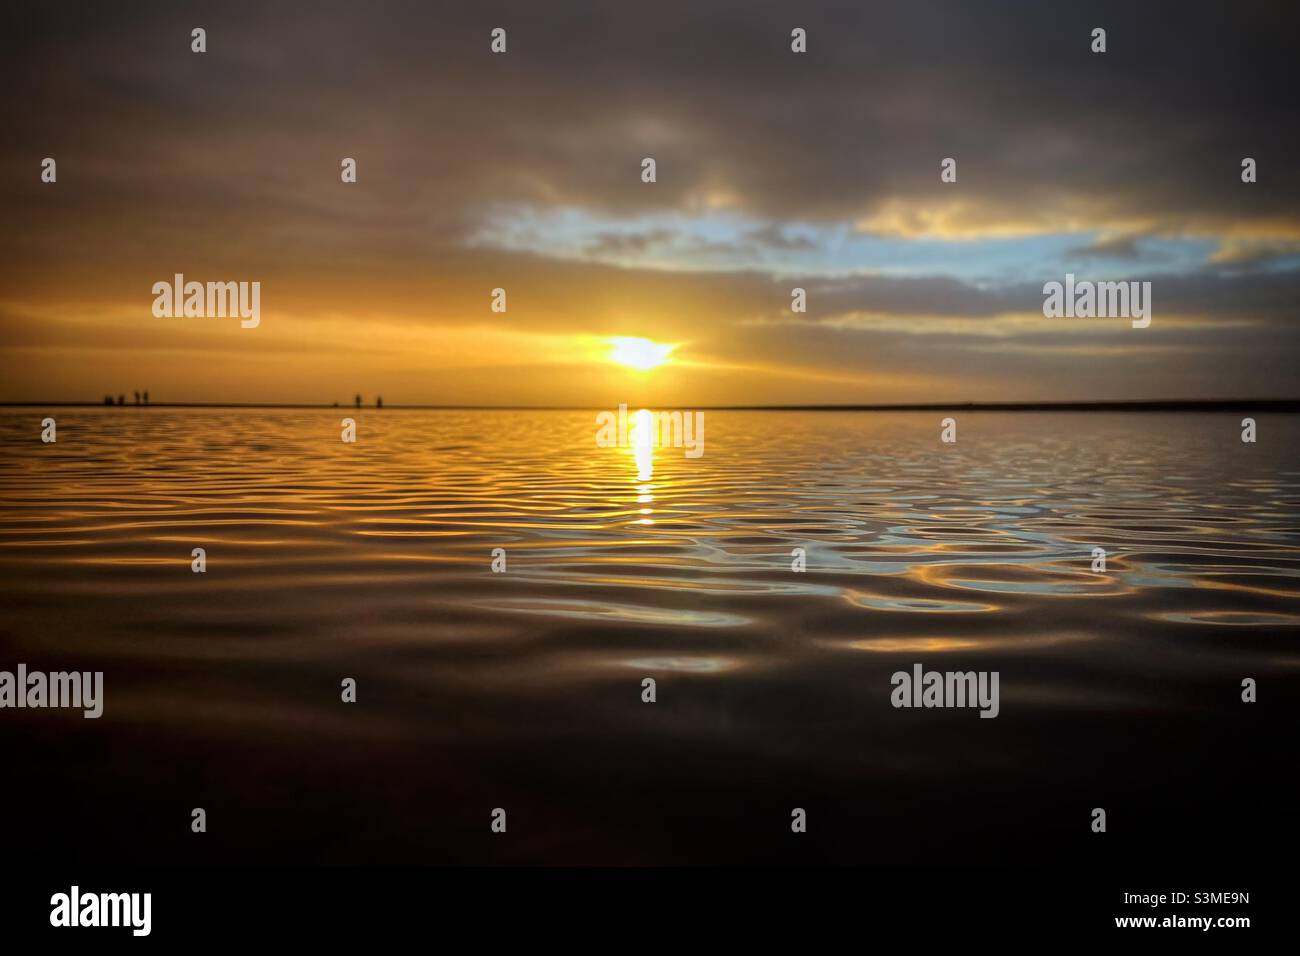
(642, 442)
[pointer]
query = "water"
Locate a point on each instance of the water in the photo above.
(522, 690)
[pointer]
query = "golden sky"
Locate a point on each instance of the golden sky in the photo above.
(775, 170)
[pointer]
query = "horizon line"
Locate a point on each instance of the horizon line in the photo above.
(1178, 404)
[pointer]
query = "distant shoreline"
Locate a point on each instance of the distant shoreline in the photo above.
(1173, 405)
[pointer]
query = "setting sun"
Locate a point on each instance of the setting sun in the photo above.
(638, 353)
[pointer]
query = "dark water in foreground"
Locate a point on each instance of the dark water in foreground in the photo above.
(522, 690)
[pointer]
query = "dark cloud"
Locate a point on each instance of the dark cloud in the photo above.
(1114, 247)
(772, 236)
(615, 244)
(1154, 128)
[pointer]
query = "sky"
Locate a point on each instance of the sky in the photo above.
(774, 170)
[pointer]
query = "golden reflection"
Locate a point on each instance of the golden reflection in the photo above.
(642, 440)
(935, 644)
(645, 498)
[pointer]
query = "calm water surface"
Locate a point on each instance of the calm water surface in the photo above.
(522, 690)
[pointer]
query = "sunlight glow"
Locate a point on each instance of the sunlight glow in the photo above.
(638, 353)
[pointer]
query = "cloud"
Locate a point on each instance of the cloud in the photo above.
(1110, 247)
(1253, 253)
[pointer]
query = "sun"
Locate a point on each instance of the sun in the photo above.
(637, 353)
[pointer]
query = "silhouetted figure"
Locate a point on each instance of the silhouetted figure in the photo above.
(108, 399)
(146, 397)
(358, 401)
(379, 402)
(121, 399)
(137, 398)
